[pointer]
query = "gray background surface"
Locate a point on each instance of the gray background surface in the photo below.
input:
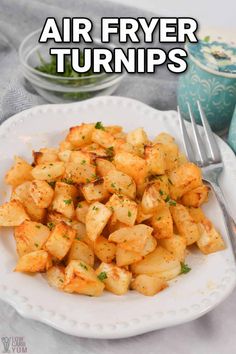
(215, 332)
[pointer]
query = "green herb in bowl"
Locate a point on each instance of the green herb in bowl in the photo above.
(50, 68)
(39, 69)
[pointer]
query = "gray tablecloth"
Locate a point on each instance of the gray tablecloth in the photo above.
(215, 332)
(20, 17)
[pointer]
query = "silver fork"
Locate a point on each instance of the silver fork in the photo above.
(210, 162)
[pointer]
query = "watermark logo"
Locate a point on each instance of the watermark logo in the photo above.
(13, 345)
(6, 344)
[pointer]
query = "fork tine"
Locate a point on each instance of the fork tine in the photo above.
(187, 144)
(212, 144)
(198, 141)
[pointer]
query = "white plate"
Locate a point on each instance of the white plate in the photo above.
(212, 277)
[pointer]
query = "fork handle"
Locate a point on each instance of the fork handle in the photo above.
(229, 221)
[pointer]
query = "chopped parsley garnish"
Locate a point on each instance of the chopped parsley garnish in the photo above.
(50, 67)
(67, 180)
(161, 192)
(129, 213)
(170, 201)
(67, 201)
(78, 238)
(79, 205)
(110, 151)
(61, 280)
(159, 218)
(113, 185)
(95, 208)
(83, 162)
(65, 236)
(52, 184)
(83, 266)
(38, 226)
(36, 244)
(99, 125)
(95, 176)
(184, 268)
(50, 225)
(49, 175)
(102, 276)
(87, 180)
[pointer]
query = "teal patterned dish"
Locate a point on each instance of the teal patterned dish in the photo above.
(232, 132)
(211, 79)
(218, 56)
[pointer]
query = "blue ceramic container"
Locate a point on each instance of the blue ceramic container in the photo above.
(232, 132)
(211, 79)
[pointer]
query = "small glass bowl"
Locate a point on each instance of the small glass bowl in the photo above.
(61, 89)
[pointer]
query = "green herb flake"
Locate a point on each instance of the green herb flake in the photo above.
(66, 236)
(102, 276)
(61, 280)
(78, 238)
(87, 180)
(159, 218)
(167, 199)
(67, 201)
(113, 185)
(129, 213)
(170, 201)
(49, 175)
(79, 205)
(67, 181)
(95, 176)
(161, 192)
(99, 125)
(83, 266)
(36, 245)
(184, 268)
(52, 184)
(50, 225)
(38, 226)
(206, 39)
(110, 151)
(95, 208)
(83, 162)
